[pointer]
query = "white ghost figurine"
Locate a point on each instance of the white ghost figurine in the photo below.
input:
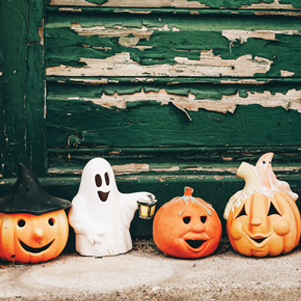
(269, 180)
(101, 215)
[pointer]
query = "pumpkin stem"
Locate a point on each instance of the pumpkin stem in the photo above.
(249, 173)
(188, 191)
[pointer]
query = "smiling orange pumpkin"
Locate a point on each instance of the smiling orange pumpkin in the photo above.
(33, 238)
(33, 224)
(187, 227)
(263, 225)
(262, 218)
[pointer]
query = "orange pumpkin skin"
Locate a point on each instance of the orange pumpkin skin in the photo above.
(27, 238)
(264, 225)
(187, 227)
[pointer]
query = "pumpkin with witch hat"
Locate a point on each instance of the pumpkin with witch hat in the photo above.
(33, 224)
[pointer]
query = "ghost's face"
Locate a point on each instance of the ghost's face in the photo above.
(102, 182)
(265, 162)
(98, 179)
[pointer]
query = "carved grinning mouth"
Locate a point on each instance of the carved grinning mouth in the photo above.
(34, 250)
(194, 243)
(103, 195)
(258, 240)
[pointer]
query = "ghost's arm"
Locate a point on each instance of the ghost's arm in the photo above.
(129, 203)
(143, 196)
(81, 222)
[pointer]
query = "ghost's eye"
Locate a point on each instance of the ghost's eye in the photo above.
(186, 219)
(263, 162)
(98, 180)
(107, 178)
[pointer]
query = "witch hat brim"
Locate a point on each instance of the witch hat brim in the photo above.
(28, 196)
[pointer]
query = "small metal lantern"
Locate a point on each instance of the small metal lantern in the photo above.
(147, 210)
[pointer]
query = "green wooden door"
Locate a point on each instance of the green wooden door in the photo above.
(171, 93)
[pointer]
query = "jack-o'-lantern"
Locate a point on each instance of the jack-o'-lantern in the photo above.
(187, 227)
(32, 238)
(262, 219)
(33, 224)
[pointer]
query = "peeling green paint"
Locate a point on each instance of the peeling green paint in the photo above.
(200, 90)
(230, 3)
(152, 125)
(294, 3)
(163, 45)
(97, 1)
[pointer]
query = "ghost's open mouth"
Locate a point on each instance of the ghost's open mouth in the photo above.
(194, 243)
(103, 195)
(34, 250)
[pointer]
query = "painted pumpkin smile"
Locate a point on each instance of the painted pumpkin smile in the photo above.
(34, 250)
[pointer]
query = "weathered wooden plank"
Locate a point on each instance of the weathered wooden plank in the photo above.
(171, 48)
(35, 98)
(77, 123)
(174, 159)
(72, 164)
(222, 97)
(13, 81)
(235, 4)
(23, 98)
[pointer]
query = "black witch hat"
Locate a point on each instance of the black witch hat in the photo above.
(28, 196)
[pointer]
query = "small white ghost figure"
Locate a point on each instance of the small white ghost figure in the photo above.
(101, 215)
(269, 180)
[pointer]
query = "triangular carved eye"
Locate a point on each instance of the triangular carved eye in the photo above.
(242, 212)
(273, 210)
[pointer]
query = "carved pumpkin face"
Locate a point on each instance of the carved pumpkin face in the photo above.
(33, 238)
(264, 225)
(187, 227)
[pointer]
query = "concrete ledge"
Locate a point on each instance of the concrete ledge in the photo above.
(146, 274)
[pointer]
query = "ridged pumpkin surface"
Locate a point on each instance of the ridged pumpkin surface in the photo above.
(187, 227)
(264, 225)
(28, 238)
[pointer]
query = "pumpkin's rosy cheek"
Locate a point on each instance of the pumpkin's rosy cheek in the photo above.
(236, 230)
(275, 245)
(282, 227)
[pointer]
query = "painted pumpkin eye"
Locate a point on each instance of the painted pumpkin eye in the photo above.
(242, 212)
(203, 219)
(273, 210)
(186, 219)
(107, 178)
(98, 180)
(51, 222)
(21, 223)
